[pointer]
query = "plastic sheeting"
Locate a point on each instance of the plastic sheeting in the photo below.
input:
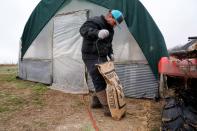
(68, 67)
(41, 15)
(41, 48)
(36, 70)
(124, 45)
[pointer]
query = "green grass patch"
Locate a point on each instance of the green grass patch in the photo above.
(20, 84)
(10, 102)
(39, 88)
(38, 101)
(8, 69)
(88, 127)
(11, 78)
(8, 75)
(4, 109)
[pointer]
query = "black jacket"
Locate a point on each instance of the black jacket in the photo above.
(92, 46)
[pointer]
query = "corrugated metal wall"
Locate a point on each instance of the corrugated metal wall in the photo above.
(137, 79)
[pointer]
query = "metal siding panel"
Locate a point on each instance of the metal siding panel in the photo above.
(137, 79)
(36, 70)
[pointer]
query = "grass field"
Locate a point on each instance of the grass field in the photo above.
(26, 105)
(30, 106)
(12, 99)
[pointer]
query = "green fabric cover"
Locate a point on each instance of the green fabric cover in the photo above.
(43, 12)
(137, 18)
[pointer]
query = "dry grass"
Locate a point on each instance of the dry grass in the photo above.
(32, 106)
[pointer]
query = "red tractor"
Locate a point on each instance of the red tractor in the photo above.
(181, 64)
(178, 85)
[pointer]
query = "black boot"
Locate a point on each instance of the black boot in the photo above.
(95, 103)
(103, 100)
(106, 111)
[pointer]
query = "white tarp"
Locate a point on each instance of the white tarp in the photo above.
(124, 45)
(68, 67)
(41, 48)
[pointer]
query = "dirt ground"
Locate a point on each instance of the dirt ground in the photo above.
(29, 106)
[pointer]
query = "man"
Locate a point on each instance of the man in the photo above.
(97, 33)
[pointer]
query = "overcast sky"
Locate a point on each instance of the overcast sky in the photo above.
(176, 19)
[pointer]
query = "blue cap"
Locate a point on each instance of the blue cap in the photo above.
(117, 15)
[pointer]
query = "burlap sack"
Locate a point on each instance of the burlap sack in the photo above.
(115, 95)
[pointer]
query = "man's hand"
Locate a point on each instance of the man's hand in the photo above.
(111, 56)
(103, 34)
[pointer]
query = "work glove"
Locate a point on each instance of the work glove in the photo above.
(111, 56)
(102, 34)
